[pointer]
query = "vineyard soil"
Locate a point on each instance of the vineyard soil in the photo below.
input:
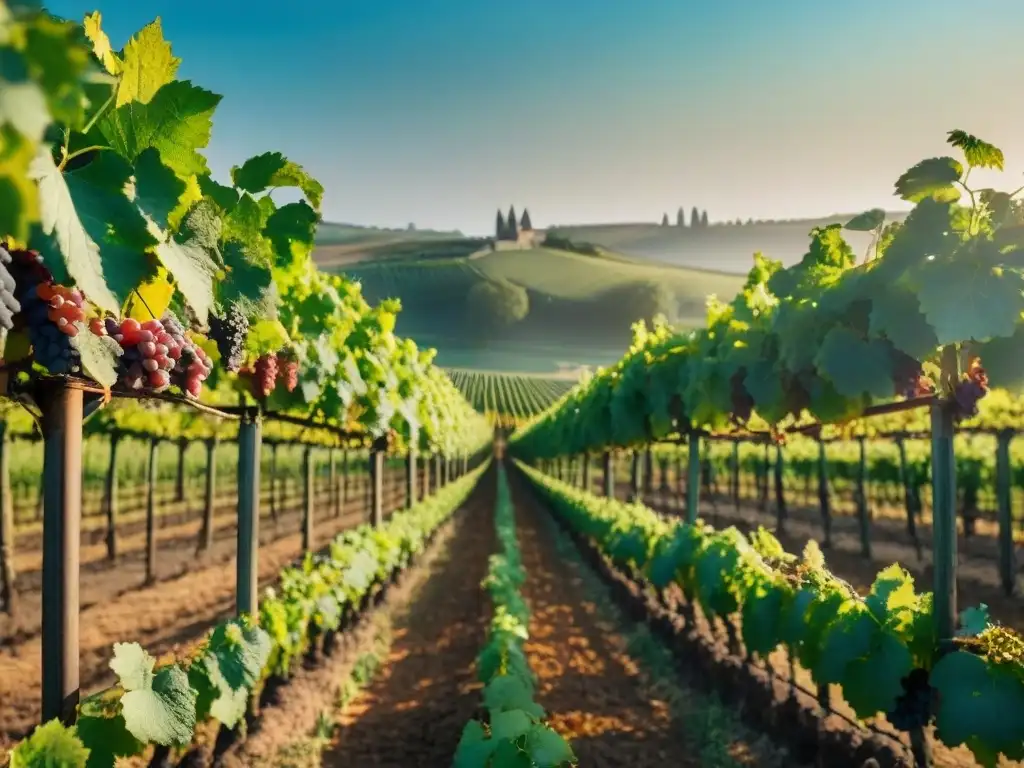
(413, 712)
(591, 684)
(165, 618)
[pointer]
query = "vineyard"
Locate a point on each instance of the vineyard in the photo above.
(508, 399)
(242, 523)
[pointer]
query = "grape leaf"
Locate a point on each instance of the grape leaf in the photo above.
(249, 283)
(23, 107)
(510, 724)
(151, 299)
(192, 269)
(867, 221)
(871, 684)
(291, 227)
(474, 749)
(19, 200)
(107, 739)
(158, 707)
(157, 188)
(50, 744)
(99, 356)
(896, 315)
(547, 748)
(147, 65)
(967, 298)
(177, 122)
(507, 692)
(101, 43)
(1003, 362)
(931, 178)
(973, 621)
(978, 153)
(272, 169)
(66, 234)
(980, 705)
(241, 653)
(855, 366)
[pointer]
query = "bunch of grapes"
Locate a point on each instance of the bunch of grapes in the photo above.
(229, 333)
(9, 305)
(157, 354)
(52, 314)
(914, 706)
(288, 363)
(265, 374)
(909, 378)
(970, 390)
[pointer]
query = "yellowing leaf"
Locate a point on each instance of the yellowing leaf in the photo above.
(151, 299)
(192, 195)
(148, 65)
(101, 43)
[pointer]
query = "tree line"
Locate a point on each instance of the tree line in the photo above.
(509, 229)
(698, 219)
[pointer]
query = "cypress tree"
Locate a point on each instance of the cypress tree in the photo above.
(664, 219)
(499, 226)
(513, 225)
(694, 217)
(704, 219)
(524, 223)
(680, 217)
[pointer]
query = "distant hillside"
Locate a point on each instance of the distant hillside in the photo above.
(578, 309)
(724, 247)
(338, 244)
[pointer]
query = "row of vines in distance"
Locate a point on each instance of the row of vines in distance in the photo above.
(508, 399)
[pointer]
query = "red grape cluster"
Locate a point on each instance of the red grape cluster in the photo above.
(970, 390)
(265, 373)
(288, 364)
(157, 353)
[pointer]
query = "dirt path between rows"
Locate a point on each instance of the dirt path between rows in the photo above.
(590, 687)
(164, 619)
(414, 711)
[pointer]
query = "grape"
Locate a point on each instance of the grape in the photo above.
(914, 706)
(9, 305)
(288, 364)
(265, 378)
(970, 390)
(229, 333)
(158, 354)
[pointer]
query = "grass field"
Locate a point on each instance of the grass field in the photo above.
(580, 307)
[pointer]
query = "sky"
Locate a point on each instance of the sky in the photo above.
(438, 112)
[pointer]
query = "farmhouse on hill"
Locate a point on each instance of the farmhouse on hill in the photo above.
(512, 233)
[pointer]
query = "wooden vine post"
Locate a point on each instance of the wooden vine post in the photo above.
(377, 482)
(781, 512)
(110, 497)
(437, 472)
(766, 472)
(410, 478)
(648, 472)
(308, 500)
(693, 478)
(210, 500)
(344, 477)
(1004, 497)
(608, 473)
(586, 472)
(944, 517)
(151, 485)
(425, 469)
(332, 483)
(863, 513)
(909, 498)
(8, 597)
(250, 435)
(635, 480)
(734, 474)
(179, 479)
(273, 481)
(824, 496)
(62, 410)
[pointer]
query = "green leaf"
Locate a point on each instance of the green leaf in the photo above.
(177, 122)
(107, 739)
(867, 221)
(871, 684)
(979, 154)
(855, 366)
(50, 745)
(967, 298)
(980, 705)
(933, 178)
(249, 283)
(508, 755)
(23, 107)
(148, 65)
(290, 224)
(99, 356)
(19, 204)
(507, 692)
(474, 749)
(510, 724)
(193, 269)
(241, 652)
(67, 236)
(225, 197)
(271, 170)
(896, 315)
(546, 748)
(157, 188)
(158, 707)
(973, 621)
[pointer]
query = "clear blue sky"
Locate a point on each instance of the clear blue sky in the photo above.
(439, 111)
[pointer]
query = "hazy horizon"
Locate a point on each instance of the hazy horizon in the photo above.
(438, 114)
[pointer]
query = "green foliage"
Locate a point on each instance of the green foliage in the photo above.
(515, 733)
(865, 645)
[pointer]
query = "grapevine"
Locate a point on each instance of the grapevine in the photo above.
(229, 333)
